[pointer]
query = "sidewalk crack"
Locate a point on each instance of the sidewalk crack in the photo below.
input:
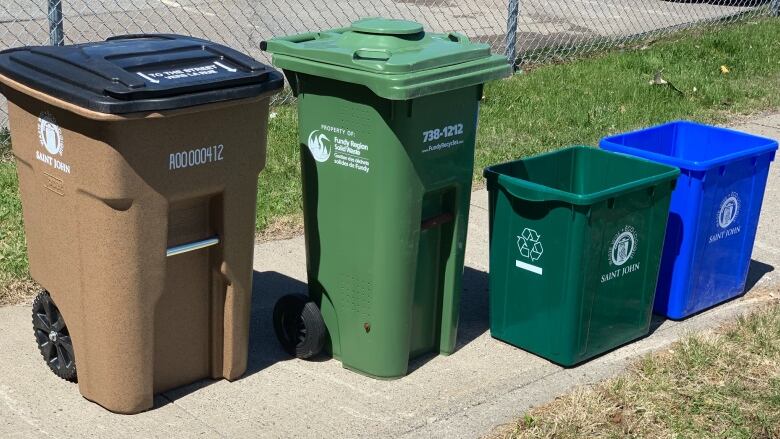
(765, 125)
(201, 421)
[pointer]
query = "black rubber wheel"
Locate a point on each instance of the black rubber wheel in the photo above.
(53, 337)
(299, 326)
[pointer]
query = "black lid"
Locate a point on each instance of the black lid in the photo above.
(146, 72)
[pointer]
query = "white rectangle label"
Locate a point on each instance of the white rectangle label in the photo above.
(529, 267)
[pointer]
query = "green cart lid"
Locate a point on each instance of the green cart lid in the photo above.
(396, 59)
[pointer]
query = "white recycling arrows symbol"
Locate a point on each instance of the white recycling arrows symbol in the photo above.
(530, 245)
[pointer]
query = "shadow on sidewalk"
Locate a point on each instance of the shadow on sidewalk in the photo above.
(756, 272)
(474, 314)
(264, 348)
(474, 307)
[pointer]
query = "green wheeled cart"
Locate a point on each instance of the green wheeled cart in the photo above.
(575, 247)
(387, 122)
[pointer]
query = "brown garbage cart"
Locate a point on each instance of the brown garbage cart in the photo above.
(138, 160)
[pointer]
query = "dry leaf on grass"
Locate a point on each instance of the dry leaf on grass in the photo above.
(17, 292)
(285, 227)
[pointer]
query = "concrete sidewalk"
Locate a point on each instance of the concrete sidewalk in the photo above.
(484, 384)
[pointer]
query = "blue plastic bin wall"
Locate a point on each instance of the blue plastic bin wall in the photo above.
(714, 213)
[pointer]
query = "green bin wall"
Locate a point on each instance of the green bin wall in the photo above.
(386, 214)
(569, 281)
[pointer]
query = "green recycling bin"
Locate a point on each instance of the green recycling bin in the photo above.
(575, 248)
(387, 119)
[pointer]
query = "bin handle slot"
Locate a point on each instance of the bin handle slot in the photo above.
(192, 246)
(436, 221)
(456, 37)
(294, 39)
(371, 55)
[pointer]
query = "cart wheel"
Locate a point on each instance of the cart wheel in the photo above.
(53, 337)
(299, 326)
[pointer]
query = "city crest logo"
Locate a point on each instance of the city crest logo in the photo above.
(729, 210)
(623, 246)
(726, 218)
(622, 249)
(49, 133)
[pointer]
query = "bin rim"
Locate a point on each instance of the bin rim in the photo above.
(608, 144)
(536, 192)
(402, 86)
(112, 76)
(395, 59)
(8, 84)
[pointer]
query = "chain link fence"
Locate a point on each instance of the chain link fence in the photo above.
(558, 29)
(527, 31)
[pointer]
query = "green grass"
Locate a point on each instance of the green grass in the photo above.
(5, 145)
(545, 108)
(580, 102)
(13, 247)
(721, 385)
(279, 189)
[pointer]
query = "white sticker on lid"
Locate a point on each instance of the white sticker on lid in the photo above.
(211, 68)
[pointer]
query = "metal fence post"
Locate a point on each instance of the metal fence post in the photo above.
(56, 33)
(511, 32)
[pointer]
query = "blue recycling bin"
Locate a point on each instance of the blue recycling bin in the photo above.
(714, 211)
